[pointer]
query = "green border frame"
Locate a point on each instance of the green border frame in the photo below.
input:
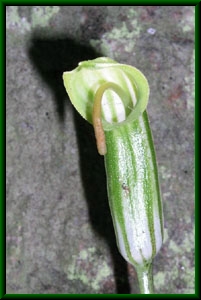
(197, 98)
(3, 294)
(2, 153)
(75, 2)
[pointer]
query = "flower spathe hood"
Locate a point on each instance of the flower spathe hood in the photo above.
(128, 103)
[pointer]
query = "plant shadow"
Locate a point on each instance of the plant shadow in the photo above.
(51, 57)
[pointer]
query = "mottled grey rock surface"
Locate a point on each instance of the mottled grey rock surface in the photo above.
(59, 233)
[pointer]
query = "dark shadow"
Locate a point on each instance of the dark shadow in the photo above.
(94, 181)
(52, 57)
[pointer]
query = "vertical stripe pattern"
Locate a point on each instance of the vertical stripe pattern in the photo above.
(133, 191)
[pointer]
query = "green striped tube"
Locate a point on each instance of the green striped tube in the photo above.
(133, 191)
(134, 196)
(113, 97)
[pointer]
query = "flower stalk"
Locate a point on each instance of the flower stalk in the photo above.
(145, 279)
(113, 97)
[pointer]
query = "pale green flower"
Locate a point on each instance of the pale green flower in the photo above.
(113, 97)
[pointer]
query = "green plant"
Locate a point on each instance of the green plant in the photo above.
(113, 97)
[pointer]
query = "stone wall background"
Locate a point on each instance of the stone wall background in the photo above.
(59, 233)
